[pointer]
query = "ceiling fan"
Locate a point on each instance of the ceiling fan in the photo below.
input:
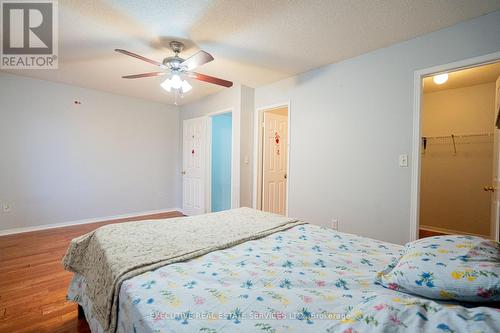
(179, 68)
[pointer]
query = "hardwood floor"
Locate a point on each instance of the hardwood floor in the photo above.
(423, 233)
(33, 282)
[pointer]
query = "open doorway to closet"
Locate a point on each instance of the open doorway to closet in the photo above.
(272, 160)
(220, 161)
(459, 152)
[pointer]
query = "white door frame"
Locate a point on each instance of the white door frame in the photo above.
(256, 142)
(416, 136)
(235, 160)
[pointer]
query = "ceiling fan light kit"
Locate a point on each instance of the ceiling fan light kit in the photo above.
(178, 68)
(176, 83)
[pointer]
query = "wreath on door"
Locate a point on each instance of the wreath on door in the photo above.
(277, 140)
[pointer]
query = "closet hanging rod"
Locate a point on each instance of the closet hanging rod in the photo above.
(458, 136)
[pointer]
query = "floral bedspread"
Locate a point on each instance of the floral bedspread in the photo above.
(306, 279)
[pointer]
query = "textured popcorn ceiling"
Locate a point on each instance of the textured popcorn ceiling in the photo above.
(254, 42)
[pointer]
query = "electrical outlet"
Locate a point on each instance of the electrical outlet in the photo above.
(335, 224)
(6, 208)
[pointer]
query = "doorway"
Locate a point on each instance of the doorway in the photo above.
(210, 163)
(220, 159)
(272, 160)
(457, 161)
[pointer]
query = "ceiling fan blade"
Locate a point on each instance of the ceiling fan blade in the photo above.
(210, 79)
(131, 54)
(196, 60)
(138, 76)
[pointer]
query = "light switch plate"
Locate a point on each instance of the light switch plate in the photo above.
(403, 160)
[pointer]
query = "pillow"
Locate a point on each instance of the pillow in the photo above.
(463, 268)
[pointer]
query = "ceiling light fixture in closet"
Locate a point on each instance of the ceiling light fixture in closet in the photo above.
(440, 78)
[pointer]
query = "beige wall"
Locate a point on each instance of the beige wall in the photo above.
(451, 184)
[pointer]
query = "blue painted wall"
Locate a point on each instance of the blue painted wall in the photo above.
(221, 162)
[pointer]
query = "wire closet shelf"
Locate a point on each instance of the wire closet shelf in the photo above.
(456, 140)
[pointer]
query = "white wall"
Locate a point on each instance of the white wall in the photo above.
(246, 156)
(451, 184)
(240, 100)
(351, 120)
(62, 162)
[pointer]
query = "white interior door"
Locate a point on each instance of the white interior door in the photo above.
(495, 186)
(274, 161)
(194, 164)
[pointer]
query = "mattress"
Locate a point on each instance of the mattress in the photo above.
(306, 279)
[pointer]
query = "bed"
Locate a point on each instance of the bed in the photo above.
(302, 279)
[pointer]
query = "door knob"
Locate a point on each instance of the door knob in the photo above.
(285, 176)
(489, 189)
(183, 172)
